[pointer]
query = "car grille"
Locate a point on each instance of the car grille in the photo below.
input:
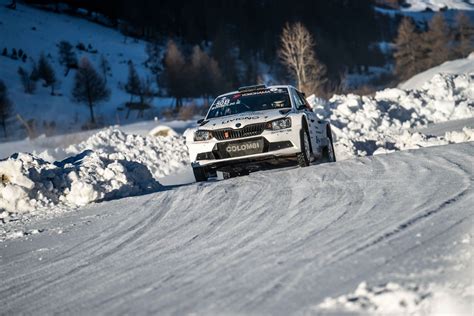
(247, 131)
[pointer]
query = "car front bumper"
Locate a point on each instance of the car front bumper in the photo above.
(273, 145)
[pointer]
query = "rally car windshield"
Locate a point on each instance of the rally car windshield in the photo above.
(241, 102)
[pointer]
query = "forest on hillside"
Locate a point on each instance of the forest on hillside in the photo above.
(343, 30)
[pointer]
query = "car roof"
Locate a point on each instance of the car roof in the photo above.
(268, 87)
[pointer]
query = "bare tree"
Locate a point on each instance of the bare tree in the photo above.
(175, 74)
(298, 55)
(206, 74)
(67, 56)
(89, 87)
(133, 85)
(104, 67)
(465, 35)
(46, 72)
(409, 52)
(5, 107)
(27, 80)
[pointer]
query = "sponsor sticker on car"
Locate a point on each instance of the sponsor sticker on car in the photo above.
(238, 149)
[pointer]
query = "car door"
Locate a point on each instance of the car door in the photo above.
(313, 127)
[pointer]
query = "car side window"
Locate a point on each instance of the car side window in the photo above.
(304, 101)
(297, 100)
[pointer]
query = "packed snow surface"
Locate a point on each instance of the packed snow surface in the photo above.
(277, 242)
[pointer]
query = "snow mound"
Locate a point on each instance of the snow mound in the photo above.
(108, 165)
(395, 299)
(163, 130)
(365, 125)
(161, 155)
(30, 184)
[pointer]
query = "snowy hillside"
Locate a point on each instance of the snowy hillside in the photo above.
(35, 31)
(459, 66)
(436, 5)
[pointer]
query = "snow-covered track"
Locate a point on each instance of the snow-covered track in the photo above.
(273, 242)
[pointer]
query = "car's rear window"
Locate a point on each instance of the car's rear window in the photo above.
(240, 102)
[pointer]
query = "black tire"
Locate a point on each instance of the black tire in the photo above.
(329, 155)
(303, 157)
(200, 174)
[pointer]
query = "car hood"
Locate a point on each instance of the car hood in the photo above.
(233, 121)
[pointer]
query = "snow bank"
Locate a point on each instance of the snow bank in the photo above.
(161, 155)
(32, 184)
(395, 299)
(108, 165)
(366, 125)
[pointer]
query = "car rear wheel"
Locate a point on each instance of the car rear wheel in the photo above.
(200, 174)
(304, 157)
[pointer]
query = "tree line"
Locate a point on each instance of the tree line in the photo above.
(418, 49)
(247, 31)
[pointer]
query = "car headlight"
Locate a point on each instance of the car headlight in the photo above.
(202, 135)
(279, 124)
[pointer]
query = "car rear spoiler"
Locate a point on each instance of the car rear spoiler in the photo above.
(252, 88)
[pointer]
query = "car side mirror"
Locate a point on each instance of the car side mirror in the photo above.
(301, 107)
(200, 121)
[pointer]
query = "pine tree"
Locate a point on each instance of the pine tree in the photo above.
(409, 50)
(146, 93)
(5, 52)
(89, 87)
(29, 85)
(5, 107)
(104, 67)
(154, 51)
(133, 85)
(437, 40)
(465, 35)
(67, 56)
(46, 72)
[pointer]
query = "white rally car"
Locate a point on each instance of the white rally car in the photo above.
(255, 127)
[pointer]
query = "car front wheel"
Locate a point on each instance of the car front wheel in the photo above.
(200, 174)
(304, 157)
